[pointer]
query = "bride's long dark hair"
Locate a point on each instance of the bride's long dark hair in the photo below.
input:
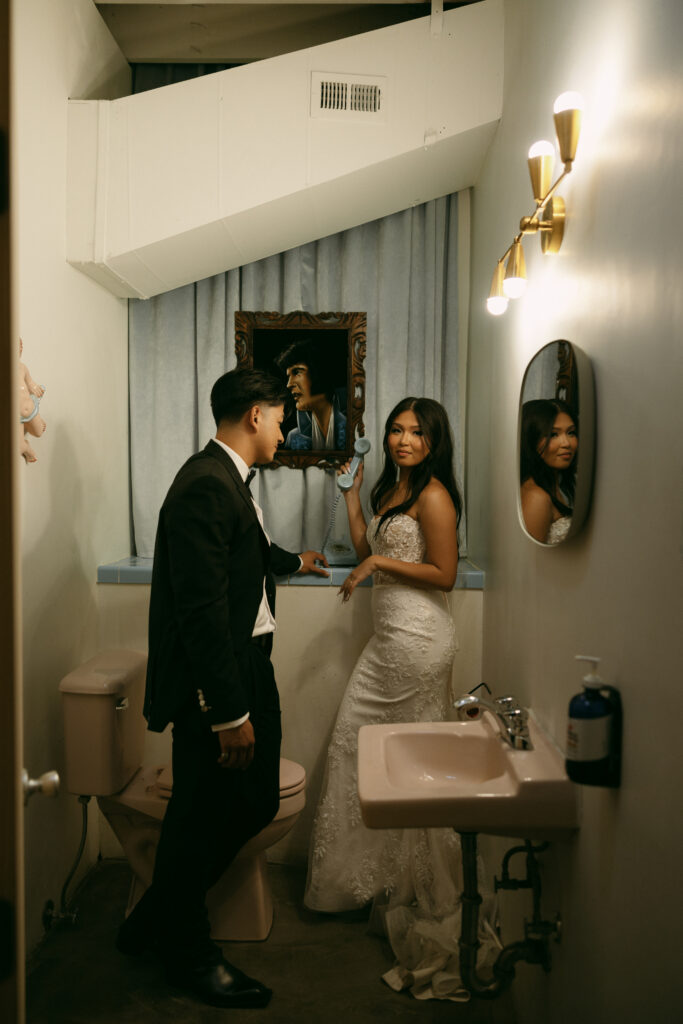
(433, 420)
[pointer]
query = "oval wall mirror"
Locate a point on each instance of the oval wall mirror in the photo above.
(555, 444)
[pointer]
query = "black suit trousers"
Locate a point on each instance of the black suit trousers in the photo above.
(213, 811)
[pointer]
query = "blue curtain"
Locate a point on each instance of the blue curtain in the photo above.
(400, 270)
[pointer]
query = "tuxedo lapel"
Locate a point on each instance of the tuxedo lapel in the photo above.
(215, 451)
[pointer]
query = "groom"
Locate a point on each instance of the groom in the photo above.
(209, 672)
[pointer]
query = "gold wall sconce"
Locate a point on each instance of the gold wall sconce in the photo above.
(509, 277)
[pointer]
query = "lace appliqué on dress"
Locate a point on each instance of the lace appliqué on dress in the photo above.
(401, 538)
(558, 530)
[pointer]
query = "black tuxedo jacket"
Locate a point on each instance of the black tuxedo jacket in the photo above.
(210, 560)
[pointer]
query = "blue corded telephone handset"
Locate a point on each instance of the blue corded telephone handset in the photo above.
(360, 450)
(340, 552)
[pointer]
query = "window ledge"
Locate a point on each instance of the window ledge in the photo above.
(139, 570)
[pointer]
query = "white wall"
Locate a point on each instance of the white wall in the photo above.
(614, 290)
(74, 500)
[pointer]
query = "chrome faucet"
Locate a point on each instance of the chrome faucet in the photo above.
(511, 717)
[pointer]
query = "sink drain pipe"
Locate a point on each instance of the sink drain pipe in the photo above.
(529, 950)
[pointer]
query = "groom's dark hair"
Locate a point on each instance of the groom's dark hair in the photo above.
(236, 392)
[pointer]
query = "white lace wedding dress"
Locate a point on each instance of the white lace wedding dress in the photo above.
(413, 875)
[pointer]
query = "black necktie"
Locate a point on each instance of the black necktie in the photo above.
(250, 476)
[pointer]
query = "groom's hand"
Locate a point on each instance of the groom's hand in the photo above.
(309, 560)
(237, 746)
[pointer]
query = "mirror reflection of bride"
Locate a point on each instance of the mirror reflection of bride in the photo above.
(549, 442)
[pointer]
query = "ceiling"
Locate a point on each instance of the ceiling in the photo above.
(237, 33)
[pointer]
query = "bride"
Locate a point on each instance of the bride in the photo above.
(403, 674)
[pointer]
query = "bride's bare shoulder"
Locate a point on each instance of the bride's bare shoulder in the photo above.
(434, 499)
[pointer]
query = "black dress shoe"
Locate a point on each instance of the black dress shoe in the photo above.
(221, 984)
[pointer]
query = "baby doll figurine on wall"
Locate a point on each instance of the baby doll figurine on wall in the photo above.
(30, 394)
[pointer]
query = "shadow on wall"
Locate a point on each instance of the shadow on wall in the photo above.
(58, 568)
(59, 632)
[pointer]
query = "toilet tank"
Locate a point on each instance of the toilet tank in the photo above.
(104, 730)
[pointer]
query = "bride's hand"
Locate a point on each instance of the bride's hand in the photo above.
(356, 576)
(357, 480)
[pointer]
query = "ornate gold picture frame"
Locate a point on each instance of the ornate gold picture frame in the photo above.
(320, 358)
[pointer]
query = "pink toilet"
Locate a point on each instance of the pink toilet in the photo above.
(104, 737)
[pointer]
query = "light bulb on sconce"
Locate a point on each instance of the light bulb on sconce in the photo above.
(514, 282)
(568, 101)
(549, 215)
(497, 301)
(567, 116)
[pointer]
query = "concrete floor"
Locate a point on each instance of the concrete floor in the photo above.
(323, 968)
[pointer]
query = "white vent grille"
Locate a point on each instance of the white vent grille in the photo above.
(366, 98)
(333, 95)
(348, 97)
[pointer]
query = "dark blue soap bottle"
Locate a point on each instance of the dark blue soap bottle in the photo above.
(594, 732)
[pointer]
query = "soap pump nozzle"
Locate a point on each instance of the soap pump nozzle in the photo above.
(592, 680)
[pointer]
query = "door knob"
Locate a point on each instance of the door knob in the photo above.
(47, 784)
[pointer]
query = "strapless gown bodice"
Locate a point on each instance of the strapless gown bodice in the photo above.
(558, 530)
(401, 538)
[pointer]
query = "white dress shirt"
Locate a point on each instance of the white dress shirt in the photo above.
(265, 622)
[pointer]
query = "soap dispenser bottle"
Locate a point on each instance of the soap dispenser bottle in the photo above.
(594, 731)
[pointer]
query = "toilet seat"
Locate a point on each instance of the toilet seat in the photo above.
(149, 790)
(292, 778)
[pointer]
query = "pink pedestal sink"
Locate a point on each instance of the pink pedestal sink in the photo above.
(465, 776)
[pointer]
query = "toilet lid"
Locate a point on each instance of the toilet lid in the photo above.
(292, 777)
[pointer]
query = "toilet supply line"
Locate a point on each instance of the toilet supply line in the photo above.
(50, 915)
